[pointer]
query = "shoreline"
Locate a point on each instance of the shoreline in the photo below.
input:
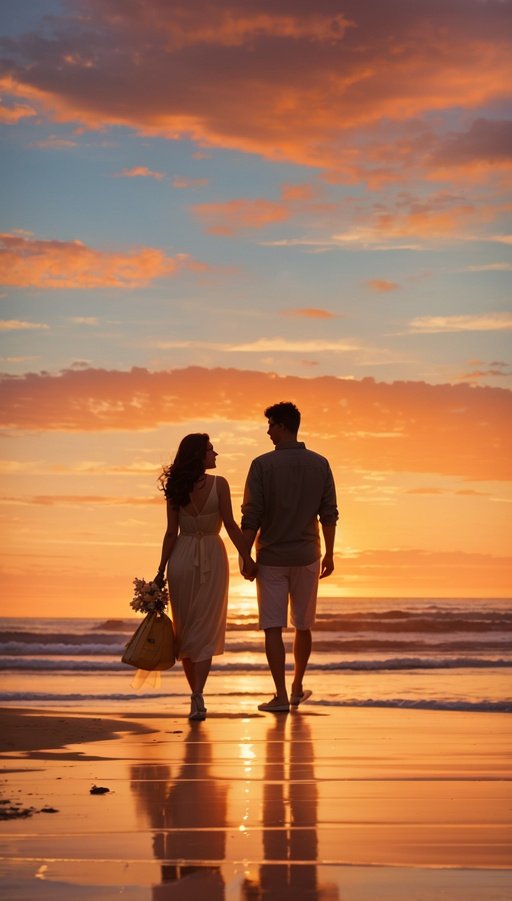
(30, 729)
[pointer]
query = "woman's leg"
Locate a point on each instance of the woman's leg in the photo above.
(196, 673)
(200, 671)
(188, 669)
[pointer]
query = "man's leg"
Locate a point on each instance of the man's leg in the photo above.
(303, 594)
(272, 591)
(274, 649)
(301, 654)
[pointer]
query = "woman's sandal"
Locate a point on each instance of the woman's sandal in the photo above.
(197, 708)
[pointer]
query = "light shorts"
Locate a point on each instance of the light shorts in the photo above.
(275, 584)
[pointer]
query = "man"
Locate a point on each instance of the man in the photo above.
(288, 491)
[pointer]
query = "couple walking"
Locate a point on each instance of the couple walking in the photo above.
(287, 493)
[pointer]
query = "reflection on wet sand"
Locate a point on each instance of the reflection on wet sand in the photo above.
(188, 815)
(189, 818)
(290, 799)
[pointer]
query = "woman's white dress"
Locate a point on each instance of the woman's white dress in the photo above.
(198, 578)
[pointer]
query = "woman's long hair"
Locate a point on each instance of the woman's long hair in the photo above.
(177, 480)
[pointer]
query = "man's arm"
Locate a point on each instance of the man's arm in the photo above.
(249, 535)
(328, 531)
(328, 517)
(252, 505)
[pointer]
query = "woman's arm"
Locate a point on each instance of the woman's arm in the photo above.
(171, 534)
(233, 530)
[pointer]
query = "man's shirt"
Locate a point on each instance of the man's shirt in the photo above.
(287, 492)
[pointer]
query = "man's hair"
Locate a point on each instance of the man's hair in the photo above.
(285, 413)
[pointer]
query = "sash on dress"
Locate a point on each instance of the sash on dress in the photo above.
(200, 556)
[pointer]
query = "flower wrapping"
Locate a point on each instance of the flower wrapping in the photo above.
(151, 647)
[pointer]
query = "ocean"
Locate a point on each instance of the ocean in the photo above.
(439, 654)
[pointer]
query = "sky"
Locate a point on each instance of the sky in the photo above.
(209, 207)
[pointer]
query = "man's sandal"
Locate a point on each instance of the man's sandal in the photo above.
(295, 700)
(274, 706)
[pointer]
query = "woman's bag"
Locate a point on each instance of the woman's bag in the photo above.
(152, 645)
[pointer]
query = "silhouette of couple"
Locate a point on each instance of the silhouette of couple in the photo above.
(288, 493)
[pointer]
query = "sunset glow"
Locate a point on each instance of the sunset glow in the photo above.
(213, 207)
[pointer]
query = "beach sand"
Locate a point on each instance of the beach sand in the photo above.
(337, 804)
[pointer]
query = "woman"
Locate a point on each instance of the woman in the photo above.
(197, 506)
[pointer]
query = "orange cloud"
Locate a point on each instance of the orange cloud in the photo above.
(419, 217)
(382, 285)
(81, 467)
(186, 183)
(402, 426)
(309, 313)
(84, 320)
(233, 215)
(387, 571)
(248, 74)
(495, 369)
(38, 263)
(403, 221)
(11, 115)
(426, 491)
(432, 216)
(54, 143)
(78, 500)
(487, 141)
(489, 322)
(297, 192)
(140, 172)
(489, 267)
(15, 325)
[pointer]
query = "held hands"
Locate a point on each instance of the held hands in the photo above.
(327, 566)
(249, 569)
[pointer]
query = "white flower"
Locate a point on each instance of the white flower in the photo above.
(148, 597)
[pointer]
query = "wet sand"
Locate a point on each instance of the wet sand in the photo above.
(323, 803)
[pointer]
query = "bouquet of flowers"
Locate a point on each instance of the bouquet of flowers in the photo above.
(149, 597)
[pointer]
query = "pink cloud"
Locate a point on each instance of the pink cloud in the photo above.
(39, 263)
(446, 429)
